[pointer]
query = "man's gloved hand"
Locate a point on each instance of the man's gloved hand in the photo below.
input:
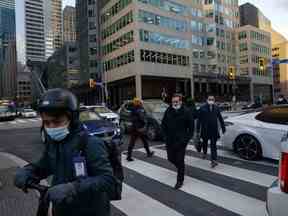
(21, 179)
(61, 193)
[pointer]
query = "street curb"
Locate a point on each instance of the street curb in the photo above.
(20, 162)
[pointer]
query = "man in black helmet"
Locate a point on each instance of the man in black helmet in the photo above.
(82, 181)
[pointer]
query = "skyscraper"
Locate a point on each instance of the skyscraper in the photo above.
(69, 24)
(38, 35)
(7, 49)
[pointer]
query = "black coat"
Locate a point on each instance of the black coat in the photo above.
(177, 126)
(138, 118)
(208, 120)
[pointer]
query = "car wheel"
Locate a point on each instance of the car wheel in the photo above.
(248, 147)
(151, 132)
(123, 128)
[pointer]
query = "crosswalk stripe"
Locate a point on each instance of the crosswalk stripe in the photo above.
(134, 202)
(228, 154)
(20, 121)
(223, 169)
(12, 122)
(32, 120)
(224, 198)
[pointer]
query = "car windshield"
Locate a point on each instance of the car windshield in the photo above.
(4, 109)
(102, 110)
(88, 116)
(156, 107)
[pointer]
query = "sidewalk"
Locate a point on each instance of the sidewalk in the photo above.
(14, 202)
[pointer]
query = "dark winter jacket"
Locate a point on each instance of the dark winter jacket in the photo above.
(138, 118)
(208, 125)
(93, 192)
(177, 126)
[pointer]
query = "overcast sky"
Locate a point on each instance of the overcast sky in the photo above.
(275, 10)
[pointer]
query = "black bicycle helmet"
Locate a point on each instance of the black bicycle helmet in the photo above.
(60, 100)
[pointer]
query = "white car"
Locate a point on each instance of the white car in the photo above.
(277, 194)
(257, 134)
(29, 113)
(105, 113)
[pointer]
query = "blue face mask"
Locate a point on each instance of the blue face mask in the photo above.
(58, 134)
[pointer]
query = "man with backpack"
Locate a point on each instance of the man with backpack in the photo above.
(83, 181)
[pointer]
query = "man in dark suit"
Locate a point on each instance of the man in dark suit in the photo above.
(209, 117)
(178, 128)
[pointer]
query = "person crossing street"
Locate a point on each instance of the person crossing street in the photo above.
(178, 129)
(207, 127)
(138, 128)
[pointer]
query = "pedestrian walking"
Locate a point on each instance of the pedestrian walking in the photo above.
(83, 181)
(208, 128)
(178, 129)
(138, 128)
(282, 100)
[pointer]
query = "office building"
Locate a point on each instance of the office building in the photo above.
(7, 50)
(69, 24)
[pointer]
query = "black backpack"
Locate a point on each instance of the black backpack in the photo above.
(114, 155)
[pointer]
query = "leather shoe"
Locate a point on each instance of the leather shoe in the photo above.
(214, 164)
(130, 159)
(150, 154)
(178, 185)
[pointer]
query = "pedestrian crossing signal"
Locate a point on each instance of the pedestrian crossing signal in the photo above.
(232, 73)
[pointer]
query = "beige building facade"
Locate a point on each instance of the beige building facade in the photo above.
(254, 44)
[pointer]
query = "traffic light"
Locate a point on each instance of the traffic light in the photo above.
(232, 73)
(92, 83)
(262, 64)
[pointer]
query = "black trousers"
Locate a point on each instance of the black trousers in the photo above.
(177, 157)
(213, 147)
(133, 137)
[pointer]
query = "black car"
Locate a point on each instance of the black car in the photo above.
(154, 109)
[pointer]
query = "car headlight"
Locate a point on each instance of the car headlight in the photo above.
(228, 124)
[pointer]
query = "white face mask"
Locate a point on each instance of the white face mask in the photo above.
(210, 102)
(176, 106)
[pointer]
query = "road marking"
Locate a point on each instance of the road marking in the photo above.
(223, 169)
(136, 203)
(232, 201)
(33, 120)
(12, 122)
(20, 121)
(229, 154)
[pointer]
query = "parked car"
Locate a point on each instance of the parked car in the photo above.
(277, 194)
(257, 134)
(154, 109)
(96, 126)
(28, 113)
(104, 112)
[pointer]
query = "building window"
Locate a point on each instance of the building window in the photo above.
(119, 24)
(116, 8)
(163, 39)
(118, 43)
(93, 38)
(119, 61)
(163, 58)
(165, 22)
(92, 25)
(93, 51)
(242, 35)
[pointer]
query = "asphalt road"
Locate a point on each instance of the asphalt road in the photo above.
(235, 187)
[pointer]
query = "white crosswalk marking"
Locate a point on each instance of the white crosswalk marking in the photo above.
(228, 154)
(223, 169)
(20, 123)
(12, 122)
(134, 201)
(235, 202)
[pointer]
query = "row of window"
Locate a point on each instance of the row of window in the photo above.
(259, 36)
(171, 6)
(116, 8)
(119, 61)
(118, 43)
(260, 49)
(119, 24)
(164, 58)
(163, 39)
(165, 22)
